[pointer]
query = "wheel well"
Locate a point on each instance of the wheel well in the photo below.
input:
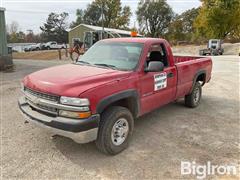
(201, 78)
(130, 103)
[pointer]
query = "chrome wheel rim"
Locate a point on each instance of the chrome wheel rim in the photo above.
(119, 131)
(196, 95)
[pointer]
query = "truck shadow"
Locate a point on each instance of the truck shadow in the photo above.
(152, 132)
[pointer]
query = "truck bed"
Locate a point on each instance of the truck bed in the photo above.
(188, 67)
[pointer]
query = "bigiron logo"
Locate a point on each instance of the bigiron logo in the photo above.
(202, 171)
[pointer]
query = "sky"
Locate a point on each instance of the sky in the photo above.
(31, 14)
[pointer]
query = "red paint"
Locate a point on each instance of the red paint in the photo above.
(97, 83)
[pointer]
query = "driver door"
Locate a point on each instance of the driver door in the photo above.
(157, 88)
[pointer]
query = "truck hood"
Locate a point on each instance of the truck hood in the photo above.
(71, 80)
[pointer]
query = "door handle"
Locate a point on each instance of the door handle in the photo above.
(170, 75)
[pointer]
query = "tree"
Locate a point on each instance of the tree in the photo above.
(175, 31)
(154, 17)
(79, 20)
(30, 37)
(13, 27)
(92, 15)
(55, 28)
(181, 28)
(188, 17)
(13, 33)
(218, 19)
(114, 15)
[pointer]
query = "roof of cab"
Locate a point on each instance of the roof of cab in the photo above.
(134, 40)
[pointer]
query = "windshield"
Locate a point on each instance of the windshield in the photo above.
(116, 55)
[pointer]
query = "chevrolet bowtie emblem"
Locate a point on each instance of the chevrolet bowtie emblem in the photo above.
(36, 101)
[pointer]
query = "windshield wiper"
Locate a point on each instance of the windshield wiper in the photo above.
(106, 65)
(83, 62)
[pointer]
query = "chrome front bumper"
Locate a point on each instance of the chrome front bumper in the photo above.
(80, 130)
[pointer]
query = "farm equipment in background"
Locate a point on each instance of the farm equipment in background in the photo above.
(214, 48)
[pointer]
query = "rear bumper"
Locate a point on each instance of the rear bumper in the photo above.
(81, 131)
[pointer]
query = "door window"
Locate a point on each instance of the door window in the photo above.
(157, 52)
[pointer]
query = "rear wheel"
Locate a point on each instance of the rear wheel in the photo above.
(193, 99)
(115, 130)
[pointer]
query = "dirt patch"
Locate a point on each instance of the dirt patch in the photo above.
(40, 55)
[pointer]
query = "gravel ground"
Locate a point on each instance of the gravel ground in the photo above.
(161, 140)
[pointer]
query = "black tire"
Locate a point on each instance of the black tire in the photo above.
(193, 99)
(108, 119)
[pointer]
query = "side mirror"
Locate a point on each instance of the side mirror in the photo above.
(154, 66)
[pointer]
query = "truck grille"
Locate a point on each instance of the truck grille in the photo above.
(39, 107)
(42, 95)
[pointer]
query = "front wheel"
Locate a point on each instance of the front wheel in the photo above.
(193, 99)
(115, 130)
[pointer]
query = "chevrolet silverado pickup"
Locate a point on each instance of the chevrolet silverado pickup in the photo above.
(114, 82)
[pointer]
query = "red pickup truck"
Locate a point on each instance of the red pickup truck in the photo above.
(113, 83)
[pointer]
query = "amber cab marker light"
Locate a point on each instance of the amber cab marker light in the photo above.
(133, 34)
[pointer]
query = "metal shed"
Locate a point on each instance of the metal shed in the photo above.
(79, 32)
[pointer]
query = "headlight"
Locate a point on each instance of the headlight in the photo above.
(74, 101)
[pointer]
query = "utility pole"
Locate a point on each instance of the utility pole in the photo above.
(5, 55)
(102, 34)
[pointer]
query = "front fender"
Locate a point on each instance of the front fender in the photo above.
(105, 102)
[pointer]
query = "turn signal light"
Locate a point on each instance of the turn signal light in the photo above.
(78, 115)
(83, 115)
